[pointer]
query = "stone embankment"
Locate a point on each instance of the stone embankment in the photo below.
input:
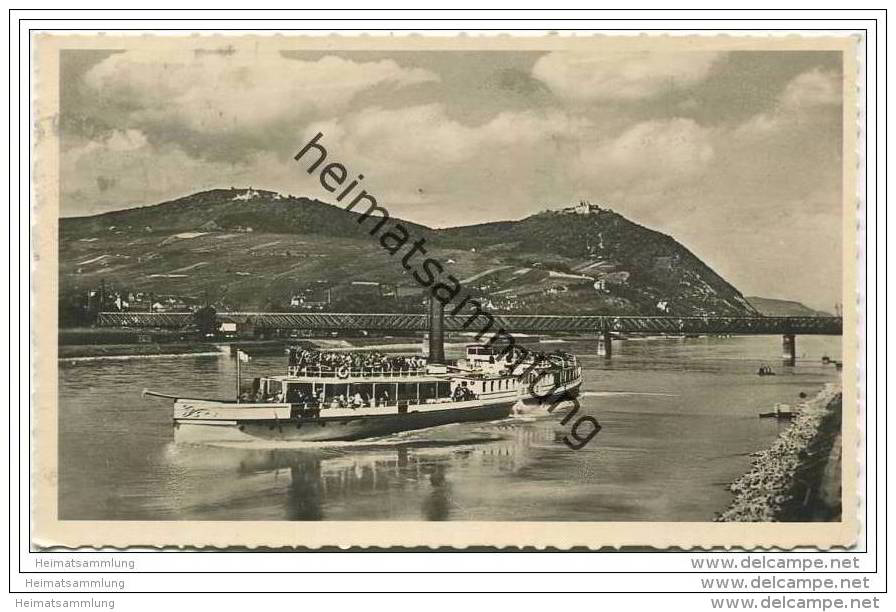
(798, 478)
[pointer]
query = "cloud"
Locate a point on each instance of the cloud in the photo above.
(420, 160)
(238, 91)
(103, 174)
(115, 142)
(124, 170)
(621, 75)
(425, 137)
(801, 99)
(814, 88)
(650, 155)
(125, 140)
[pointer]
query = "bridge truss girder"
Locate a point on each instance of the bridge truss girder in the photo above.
(832, 326)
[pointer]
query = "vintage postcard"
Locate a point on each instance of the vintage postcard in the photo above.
(501, 291)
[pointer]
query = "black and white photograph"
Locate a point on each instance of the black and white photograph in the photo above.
(568, 283)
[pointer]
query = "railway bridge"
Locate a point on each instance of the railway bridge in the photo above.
(601, 325)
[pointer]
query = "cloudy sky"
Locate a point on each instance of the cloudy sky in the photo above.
(737, 155)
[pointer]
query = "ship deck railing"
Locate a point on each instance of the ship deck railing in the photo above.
(344, 374)
(566, 363)
(329, 404)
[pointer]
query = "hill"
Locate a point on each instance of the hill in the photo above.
(253, 249)
(772, 307)
(596, 259)
(227, 209)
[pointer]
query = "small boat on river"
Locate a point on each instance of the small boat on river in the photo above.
(782, 411)
(777, 415)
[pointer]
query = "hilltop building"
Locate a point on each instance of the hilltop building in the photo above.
(584, 207)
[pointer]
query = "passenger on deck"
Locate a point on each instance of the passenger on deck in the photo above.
(305, 360)
(463, 393)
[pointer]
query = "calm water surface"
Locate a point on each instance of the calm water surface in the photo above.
(679, 420)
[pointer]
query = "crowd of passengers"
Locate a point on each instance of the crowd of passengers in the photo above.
(358, 400)
(520, 355)
(311, 400)
(305, 359)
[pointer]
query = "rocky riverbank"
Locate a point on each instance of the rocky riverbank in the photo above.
(798, 478)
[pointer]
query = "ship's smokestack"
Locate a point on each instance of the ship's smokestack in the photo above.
(436, 331)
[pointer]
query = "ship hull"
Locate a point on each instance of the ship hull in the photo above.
(342, 428)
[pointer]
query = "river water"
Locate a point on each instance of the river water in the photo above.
(678, 415)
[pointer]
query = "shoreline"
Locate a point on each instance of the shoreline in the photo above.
(92, 352)
(797, 479)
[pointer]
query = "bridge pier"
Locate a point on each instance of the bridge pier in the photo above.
(436, 331)
(605, 345)
(788, 349)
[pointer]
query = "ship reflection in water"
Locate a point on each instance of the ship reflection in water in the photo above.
(678, 416)
(414, 474)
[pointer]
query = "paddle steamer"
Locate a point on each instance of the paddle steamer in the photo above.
(319, 401)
